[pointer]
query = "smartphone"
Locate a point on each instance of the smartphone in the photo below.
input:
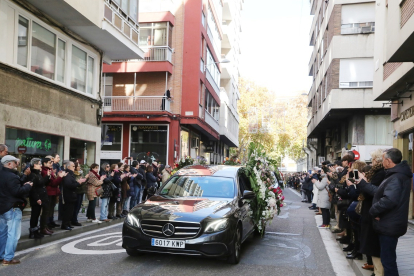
(356, 175)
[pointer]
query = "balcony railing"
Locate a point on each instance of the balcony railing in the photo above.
(139, 103)
(356, 84)
(121, 20)
(358, 28)
(157, 53)
(212, 122)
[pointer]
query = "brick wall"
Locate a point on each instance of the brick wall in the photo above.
(333, 75)
(334, 24)
(407, 10)
(389, 68)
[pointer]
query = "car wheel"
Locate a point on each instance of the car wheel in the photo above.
(234, 257)
(133, 252)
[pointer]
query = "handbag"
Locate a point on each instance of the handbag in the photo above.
(358, 208)
(353, 216)
(329, 194)
(342, 203)
(99, 191)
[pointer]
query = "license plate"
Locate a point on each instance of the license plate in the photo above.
(168, 243)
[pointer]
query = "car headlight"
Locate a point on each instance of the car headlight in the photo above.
(216, 226)
(133, 221)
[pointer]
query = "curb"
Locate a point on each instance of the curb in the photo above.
(26, 243)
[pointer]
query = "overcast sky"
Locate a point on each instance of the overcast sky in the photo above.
(275, 44)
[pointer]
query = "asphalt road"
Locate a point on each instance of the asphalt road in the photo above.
(291, 246)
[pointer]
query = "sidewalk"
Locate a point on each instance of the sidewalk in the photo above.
(25, 242)
(405, 253)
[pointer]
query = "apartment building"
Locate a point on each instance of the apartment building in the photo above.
(394, 71)
(185, 43)
(343, 112)
(51, 57)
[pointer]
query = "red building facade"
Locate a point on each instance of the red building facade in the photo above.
(183, 53)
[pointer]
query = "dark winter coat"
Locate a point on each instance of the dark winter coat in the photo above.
(391, 200)
(38, 190)
(369, 241)
(151, 180)
(141, 170)
(69, 185)
(11, 190)
(116, 180)
(107, 184)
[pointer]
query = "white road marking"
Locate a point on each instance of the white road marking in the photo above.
(280, 233)
(64, 240)
(71, 249)
(102, 243)
(340, 265)
(295, 192)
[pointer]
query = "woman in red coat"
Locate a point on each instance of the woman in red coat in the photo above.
(52, 188)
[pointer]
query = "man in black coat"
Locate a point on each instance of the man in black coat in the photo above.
(390, 206)
(69, 196)
(12, 202)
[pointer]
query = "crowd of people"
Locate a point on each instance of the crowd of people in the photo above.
(369, 203)
(45, 183)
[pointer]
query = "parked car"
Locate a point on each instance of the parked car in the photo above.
(201, 210)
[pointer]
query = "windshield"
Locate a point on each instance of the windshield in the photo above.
(199, 186)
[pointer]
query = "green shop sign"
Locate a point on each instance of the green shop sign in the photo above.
(31, 144)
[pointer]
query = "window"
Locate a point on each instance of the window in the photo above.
(213, 32)
(149, 142)
(358, 18)
(43, 51)
(90, 76)
(212, 68)
(356, 73)
(211, 106)
(22, 41)
(155, 34)
(60, 70)
(78, 69)
(378, 130)
(130, 7)
(54, 56)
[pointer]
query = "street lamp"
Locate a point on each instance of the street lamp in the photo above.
(304, 94)
(224, 60)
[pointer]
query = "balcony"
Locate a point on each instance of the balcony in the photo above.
(136, 104)
(212, 82)
(359, 84)
(212, 122)
(358, 28)
(101, 22)
(157, 53)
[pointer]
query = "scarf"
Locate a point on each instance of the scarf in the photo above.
(373, 171)
(96, 174)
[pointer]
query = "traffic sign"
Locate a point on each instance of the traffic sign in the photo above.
(357, 155)
(22, 149)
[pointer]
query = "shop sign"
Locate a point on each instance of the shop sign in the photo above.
(31, 144)
(408, 113)
(209, 149)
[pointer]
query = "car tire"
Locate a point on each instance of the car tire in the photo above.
(133, 252)
(234, 257)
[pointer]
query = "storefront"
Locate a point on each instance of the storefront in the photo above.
(149, 142)
(26, 144)
(82, 151)
(111, 143)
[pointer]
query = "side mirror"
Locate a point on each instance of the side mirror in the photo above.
(248, 195)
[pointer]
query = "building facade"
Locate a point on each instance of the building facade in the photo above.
(342, 109)
(394, 71)
(184, 44)
(51, 57)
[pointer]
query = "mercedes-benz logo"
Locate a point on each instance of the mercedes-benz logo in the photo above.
(168, 229)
